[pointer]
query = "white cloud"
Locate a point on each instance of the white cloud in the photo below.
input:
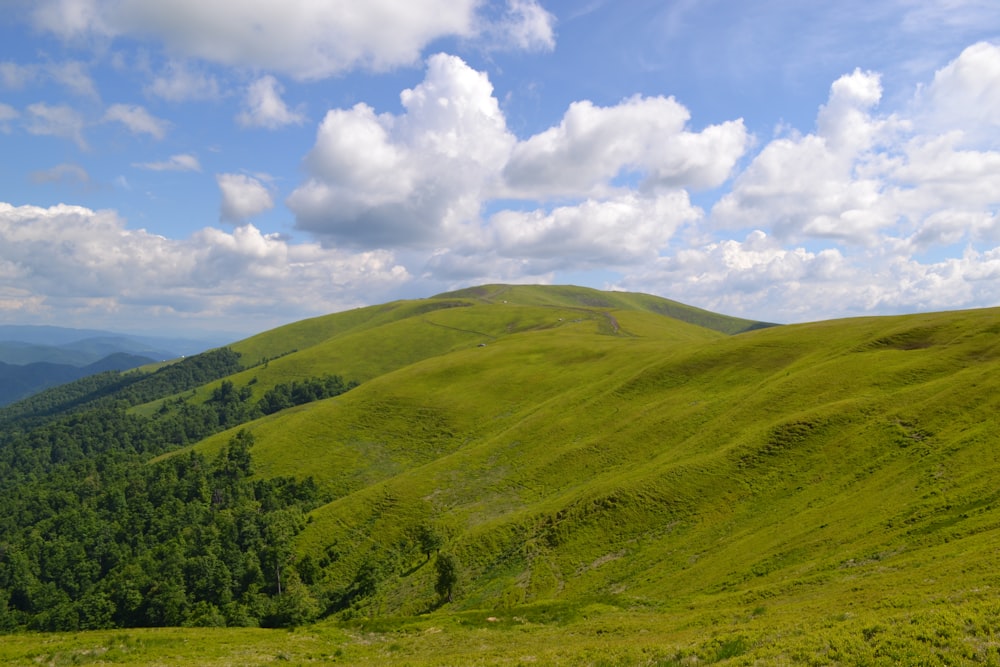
(525, 25)
(423, 177)
(137, 120)
(265, 108)
(181, 83)
(453, 268)
(74, 260)
(242, 197)
(895, 196)
(606, 234)
(307, 39)
(753, 276)
(74, 76)
(7, 114)
(845, 122)
(70, 18)
(413, 179)
(62, 173)
(760, 279)
(864, 178)
(819, 185)
(71, 74)
(642, 137)
(57, 121)
(965, 94)
(13, 75)
(182, 162)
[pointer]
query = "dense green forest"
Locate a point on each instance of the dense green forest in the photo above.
(93, 534)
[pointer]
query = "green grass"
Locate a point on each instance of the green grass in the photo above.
(621, 487)
(946, 632)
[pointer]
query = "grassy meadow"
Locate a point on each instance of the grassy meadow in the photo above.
(619, 486)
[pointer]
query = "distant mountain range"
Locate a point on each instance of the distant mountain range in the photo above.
(33, 358)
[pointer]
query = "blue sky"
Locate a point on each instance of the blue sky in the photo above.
(231, 165)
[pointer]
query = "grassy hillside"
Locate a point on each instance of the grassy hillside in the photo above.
(587, 298)
(620, 487)
(365, 343)
(592, 453)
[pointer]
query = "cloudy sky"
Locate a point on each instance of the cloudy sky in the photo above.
(233, 165)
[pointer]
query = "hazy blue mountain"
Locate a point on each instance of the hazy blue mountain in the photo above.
(33, 358)
(26, 344)
(21, 381)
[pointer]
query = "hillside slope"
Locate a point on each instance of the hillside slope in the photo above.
(593, 453)
(572, 462)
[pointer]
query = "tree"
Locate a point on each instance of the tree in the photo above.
(280, 527)
(447, 575)
(295, 606)
(235, 461)
(428, 539)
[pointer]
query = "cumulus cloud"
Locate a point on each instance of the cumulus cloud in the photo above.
(265, 108)
(532, 246)
(74, 259)
(242, 197)
(819, 185)
(594, 234)
(57, 121)
(182, 162)
(760, 278)
(137, 120)
(423, 177)
(863, 178)
(870, 212)
(965, 94)
(646, 137)
(379, 180)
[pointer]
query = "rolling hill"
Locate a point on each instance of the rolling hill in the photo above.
(621, 479)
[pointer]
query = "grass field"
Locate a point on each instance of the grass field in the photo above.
(950, 632)
(622, 487)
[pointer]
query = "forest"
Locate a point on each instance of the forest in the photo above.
(95, 534)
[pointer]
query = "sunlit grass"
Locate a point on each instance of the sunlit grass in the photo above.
(623, 488)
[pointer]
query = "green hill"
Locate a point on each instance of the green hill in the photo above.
(618, 481)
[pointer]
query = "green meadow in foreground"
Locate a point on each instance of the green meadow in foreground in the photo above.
(556, 475)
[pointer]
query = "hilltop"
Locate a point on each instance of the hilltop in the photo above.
(657, 482)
